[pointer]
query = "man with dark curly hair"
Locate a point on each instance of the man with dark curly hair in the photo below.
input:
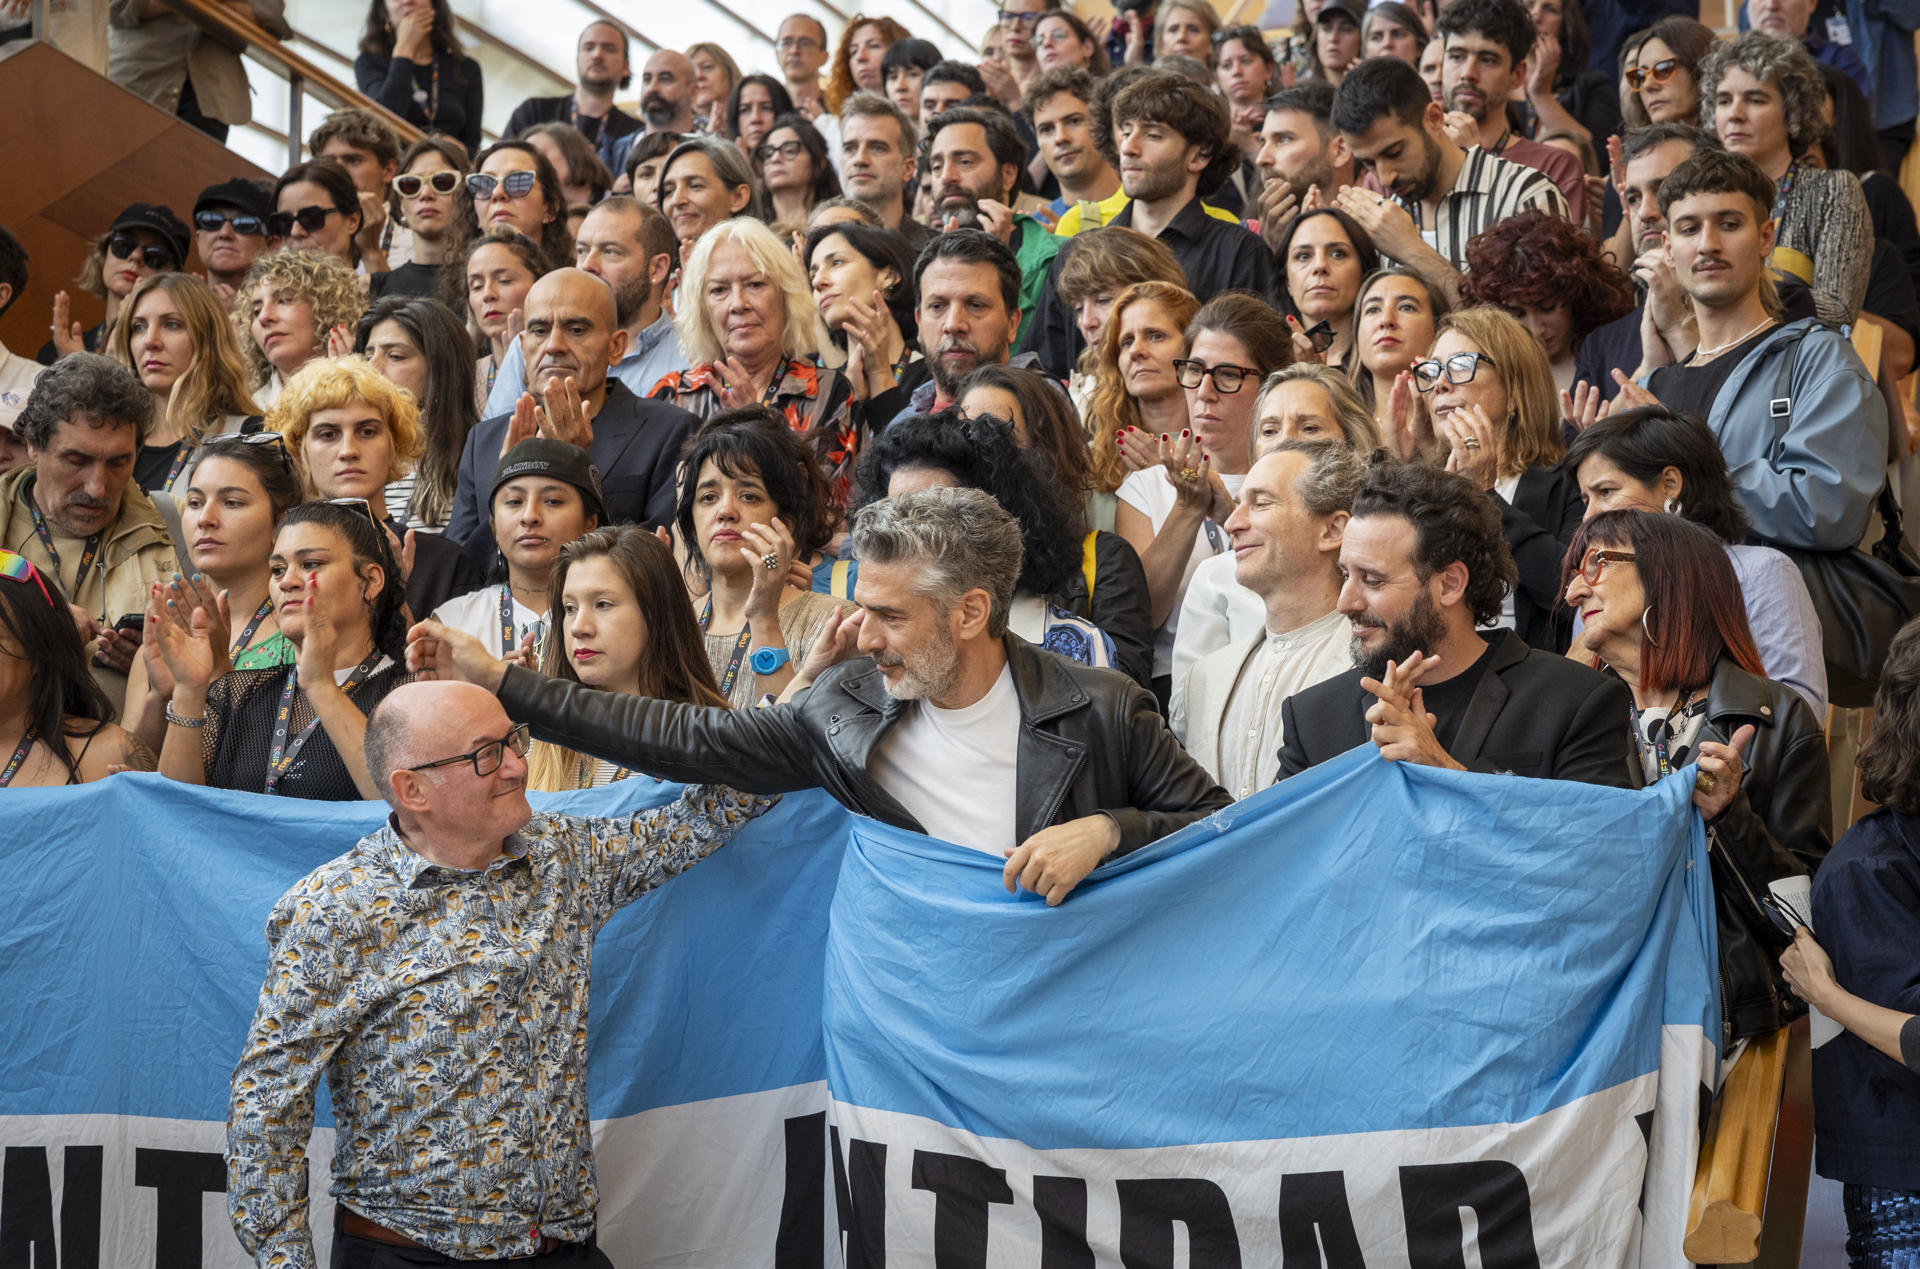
(1424, 566)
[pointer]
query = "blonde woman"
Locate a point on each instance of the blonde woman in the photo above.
(714, 75)
(1490, 390)
(173, 333)
(294, 306)
(753, 336)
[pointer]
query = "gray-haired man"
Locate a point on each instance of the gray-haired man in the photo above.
(951, 725)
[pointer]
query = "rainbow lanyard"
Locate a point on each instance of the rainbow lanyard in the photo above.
(739, 648)
(282, 755)
(19, 756)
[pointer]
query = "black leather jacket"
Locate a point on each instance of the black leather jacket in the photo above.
(1091, 741)
(1778, 825)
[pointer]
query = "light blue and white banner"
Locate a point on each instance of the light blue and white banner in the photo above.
(1379, 1016)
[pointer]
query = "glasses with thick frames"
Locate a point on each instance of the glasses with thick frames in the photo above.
(1595, 562)
(516, 184)
(126, 247)
(487, 758)
(244, 224)
(444, 181)
(1456, 370)
(786, 151)
(1658, 73)
(18, 568)
(1009, 18)
(312, 219)
(1227, 379)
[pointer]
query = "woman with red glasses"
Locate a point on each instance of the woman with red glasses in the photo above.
(55, 721)
(1660, 73)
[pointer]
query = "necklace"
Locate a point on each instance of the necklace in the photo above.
(1734, 342)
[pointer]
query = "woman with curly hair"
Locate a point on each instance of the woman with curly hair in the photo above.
(1764, 98)
(1552, 278)
(857, 62)
(173, 333)
(292, 307)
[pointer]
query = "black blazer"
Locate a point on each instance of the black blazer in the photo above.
(1533, 714)
(1539, 524)
(636, 447)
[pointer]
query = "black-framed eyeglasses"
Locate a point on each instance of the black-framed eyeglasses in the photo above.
(796, 43)
(1321, 335)
(1227, 379)
(1785, 917)
(787, 151)
(1456, 370)
(487, 758)
(1009, 18)
(445, 181)
(312, 219)
(1595, 562)
(1659, 73)
(480, 185)
(245, 224)
(126, 247)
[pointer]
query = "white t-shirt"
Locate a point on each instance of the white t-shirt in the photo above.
(1151, 494)
(478, 613)
(954, 769)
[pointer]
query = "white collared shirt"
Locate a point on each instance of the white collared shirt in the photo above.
(1285, 663)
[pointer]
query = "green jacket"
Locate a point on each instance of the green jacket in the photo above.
(1034, 246)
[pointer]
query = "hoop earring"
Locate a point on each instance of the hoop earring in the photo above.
(1673, 506)
(1646, 629)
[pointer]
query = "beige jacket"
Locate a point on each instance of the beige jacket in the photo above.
(134, 553)
(154, 58)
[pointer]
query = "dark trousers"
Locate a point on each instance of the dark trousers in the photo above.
(189, 113)
(363, 1253)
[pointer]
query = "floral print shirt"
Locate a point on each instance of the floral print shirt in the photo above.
(448, 1012)
(812, 398)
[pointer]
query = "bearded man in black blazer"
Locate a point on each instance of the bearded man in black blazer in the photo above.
(1425, 566)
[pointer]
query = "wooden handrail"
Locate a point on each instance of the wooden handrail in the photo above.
(1730, 1184)
(301, 75)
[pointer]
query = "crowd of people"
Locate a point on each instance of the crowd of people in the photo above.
(1039, 448)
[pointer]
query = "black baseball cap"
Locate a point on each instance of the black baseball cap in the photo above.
(160, 220)
(1352, 10)
(540, 456)
(242, 196)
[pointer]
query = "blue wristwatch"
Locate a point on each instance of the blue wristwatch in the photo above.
(767, 660)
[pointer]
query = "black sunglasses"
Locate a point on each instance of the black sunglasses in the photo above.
(444, 181)
(1785, 917)
(126, 247)
(274, 439)
(312, 219)
(517, 184)
(243, 223)
(1320, 335)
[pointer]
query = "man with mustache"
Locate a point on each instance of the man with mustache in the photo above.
(75, 512)
(666, 92)
(572, 337)
(949, 724)
(1437, 195)
(969, 284)
(602, 66)
(1423, 566)
(975, 156)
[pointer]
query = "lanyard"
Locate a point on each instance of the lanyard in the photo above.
(1215, 539)
(19, 756)
(1780, 195)
(773, 387)
(1663, 730)
(587, 767)
(260, 614)
(179, 461)
(506, 621)
(739, 648)
(282, 755)
(46, 539)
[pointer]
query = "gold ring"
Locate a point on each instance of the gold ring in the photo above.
(1705, 782)
(1189, 473)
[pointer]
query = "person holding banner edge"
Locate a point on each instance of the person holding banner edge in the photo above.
(447, 954)
(953, 727)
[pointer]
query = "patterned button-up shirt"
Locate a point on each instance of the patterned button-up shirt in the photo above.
(448, 1011)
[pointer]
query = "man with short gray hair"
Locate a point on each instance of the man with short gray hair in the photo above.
(950, 725)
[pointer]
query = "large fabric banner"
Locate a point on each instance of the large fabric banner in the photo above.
(1378, 1016)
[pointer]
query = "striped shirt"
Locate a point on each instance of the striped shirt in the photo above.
(1487, 190)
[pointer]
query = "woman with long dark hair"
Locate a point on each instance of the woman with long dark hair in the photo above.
(1393, 325)
(862, 279)
(1660, 73)
(56, 723)
(429, 198)
(296, 730)
(419, 345)
(793, 168)
(412, 62)
(756, 101)
(1562, 90)
(619, 607)
(316, 207)
(495, 272)
(514, 187)
(1324, 257)
(1663, 612)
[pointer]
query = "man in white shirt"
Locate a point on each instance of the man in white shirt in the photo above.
(1286, 531)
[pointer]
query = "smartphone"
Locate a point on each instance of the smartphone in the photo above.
(131, 623)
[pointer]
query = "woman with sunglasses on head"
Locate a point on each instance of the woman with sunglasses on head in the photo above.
(793, 168)
(235, 494)
(545, 494)
(429, 197)
(295, 730)
(417, 344)
(756, 102)
(498, 269)
(514, 187)
(316, 207)
(1325, 256)
(294, 306)
(56, 723)
(1553, 278)
(1171, 511)
(143, 241)
(351, 434)
(1663, 612)
(1489, 391)
(1393, 325)
(173, 333)
(620, 610)
(412, 62)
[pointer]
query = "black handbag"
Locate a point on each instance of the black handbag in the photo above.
(1862, 598)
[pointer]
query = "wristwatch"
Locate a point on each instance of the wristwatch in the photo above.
(767, 660)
